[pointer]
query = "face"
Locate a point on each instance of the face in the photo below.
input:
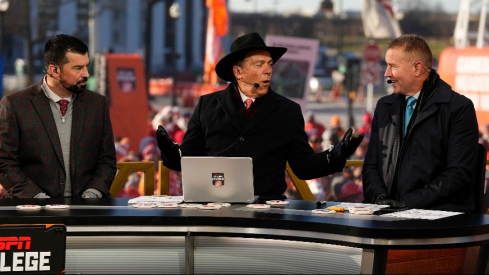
(74, 74)
(256, 68)
(402, 71)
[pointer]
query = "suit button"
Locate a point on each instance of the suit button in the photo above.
(241, 139)
(62, 182)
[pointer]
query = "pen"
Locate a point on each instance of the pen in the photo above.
(340, 209)
(319, 203)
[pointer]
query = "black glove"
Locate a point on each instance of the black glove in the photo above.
(348, 145)
(382, 199)
(398, 204)
(170, 151)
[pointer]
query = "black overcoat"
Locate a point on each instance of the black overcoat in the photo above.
(436, 167)
(274, 136)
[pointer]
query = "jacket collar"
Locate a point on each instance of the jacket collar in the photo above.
(441, 95)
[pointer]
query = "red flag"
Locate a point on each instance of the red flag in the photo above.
(217, 26)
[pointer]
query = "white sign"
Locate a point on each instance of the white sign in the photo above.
(291, 74)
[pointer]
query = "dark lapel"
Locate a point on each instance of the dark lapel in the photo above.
(442, 94)
(267, 107)
(41, 104)
(393, 110)
(80, 108)
(226, 101)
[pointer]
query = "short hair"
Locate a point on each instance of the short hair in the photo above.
(56, 48)
(415, 46)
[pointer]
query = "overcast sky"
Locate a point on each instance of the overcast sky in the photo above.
(311, 6)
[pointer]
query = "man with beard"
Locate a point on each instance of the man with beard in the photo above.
(56, 137)
(248, 119)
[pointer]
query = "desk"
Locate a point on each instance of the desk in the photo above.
(105, 233)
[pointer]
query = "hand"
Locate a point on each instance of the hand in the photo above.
(398, 204)
(348, 145)
(170, 151)
(382, 199)
(92, 193)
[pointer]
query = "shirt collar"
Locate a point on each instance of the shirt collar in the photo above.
(243, 97)
(415, 96)
(51, 95)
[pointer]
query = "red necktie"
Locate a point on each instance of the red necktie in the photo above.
(63, 103)
(248, 103)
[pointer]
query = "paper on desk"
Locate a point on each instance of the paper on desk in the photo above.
(156, 199)
(422, 214)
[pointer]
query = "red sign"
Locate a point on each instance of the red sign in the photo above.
(371, 52)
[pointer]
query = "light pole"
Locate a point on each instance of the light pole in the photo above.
(174, 12)
(3, 8)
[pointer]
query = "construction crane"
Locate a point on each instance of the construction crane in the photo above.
(461, 34)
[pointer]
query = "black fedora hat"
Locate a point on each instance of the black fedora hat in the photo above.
(240, 46)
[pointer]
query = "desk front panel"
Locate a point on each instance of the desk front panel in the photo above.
(107, 233)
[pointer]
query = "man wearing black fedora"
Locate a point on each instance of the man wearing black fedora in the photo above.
(248, 119)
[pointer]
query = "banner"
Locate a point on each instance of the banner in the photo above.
(126, 91)
(217, 26)
(379, 20)
(467, 71)
(292, 72)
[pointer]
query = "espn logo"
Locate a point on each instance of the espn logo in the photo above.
(7, 243)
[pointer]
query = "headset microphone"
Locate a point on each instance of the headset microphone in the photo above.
(389, 81)
(256, 85)
(72, 88)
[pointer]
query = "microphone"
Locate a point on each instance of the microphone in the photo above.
(256, 85)
(72, 88)
(389, 81)
(55, 70)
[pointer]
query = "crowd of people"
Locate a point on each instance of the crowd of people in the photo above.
(175, 121)
(347, 185)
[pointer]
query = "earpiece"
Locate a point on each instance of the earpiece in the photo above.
(56, 69)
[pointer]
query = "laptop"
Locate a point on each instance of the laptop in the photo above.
(217, 179)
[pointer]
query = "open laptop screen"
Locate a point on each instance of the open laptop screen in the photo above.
(217, 179)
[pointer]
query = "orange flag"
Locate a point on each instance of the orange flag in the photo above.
(217, 26)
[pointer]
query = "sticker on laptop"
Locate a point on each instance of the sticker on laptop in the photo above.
(218, 179)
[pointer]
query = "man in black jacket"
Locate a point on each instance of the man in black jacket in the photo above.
(248, 119)
(423, 146)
